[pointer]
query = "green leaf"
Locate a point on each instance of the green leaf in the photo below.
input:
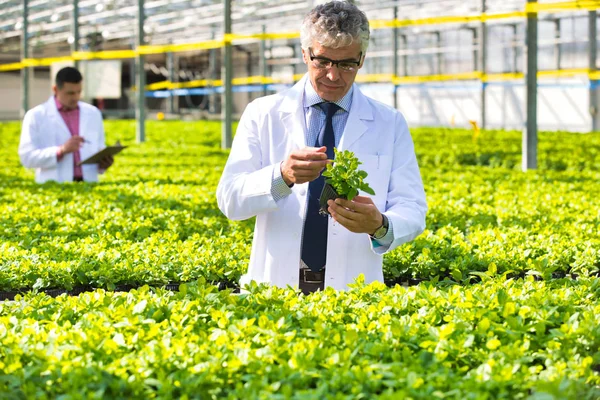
(352, 192)
(367, 189)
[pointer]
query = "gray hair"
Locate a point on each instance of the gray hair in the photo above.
(335, 24)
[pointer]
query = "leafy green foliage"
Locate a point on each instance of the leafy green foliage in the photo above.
(153, 219)
(503, 339)
(345, 177)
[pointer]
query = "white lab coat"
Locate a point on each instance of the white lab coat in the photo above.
(270, 128)
(44, 131)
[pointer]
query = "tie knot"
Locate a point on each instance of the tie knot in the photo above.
(329, 108)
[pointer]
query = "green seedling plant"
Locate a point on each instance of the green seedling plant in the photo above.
(345, 177)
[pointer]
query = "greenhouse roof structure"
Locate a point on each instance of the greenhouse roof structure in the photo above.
(181, 21)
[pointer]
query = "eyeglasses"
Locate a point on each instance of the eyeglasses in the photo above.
(343, 65)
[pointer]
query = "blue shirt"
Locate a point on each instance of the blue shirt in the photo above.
(315, 117)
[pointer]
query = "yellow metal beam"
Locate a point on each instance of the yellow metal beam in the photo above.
(11, 67)
(387, 78)
(375, 24)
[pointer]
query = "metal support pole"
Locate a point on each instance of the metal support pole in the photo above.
(515, 48)
(438, 43)
(141, 79)
(405, 55)
(24, 55)
(131, 105)
(395, 59)
(263, 60)
(75, 30)
(474, 46)
(172, 67)
(226, 74)
(530, 134)
(593, 52)
(557, 46)
(483, 65)
(249, 67)
(213, 106)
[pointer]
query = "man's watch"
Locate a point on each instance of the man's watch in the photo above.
(382, 230)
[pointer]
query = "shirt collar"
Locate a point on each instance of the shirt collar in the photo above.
(60, 107)
(311, 97)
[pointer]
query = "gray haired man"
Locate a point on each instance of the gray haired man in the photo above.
(283, 143)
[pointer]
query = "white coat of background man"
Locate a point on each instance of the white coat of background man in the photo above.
(58, 134)
(282, 145)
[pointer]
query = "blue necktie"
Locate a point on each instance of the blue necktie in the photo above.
(314, 240)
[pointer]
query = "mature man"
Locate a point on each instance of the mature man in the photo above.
(58, 134)
(284, 141)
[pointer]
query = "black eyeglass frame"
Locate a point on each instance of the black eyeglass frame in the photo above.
(335, 62)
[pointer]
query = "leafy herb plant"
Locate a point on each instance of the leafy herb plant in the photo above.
(345, 177)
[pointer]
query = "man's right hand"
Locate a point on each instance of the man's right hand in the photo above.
(73, 144)
(304, 165)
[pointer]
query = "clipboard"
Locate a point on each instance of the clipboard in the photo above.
(107, 151)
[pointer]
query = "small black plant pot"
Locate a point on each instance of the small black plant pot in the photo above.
(328, 193)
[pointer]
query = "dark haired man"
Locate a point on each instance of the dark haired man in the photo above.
(58, 134)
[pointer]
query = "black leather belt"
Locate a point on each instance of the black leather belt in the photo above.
(307, 275)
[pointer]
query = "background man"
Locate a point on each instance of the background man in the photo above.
(58, 134)
(283, 143)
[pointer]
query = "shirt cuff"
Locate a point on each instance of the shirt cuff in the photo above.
(386, 240)
(279, 189)
(59, 153)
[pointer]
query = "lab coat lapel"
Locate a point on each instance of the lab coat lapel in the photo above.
(56, 119)
(355, 127)
(292, 114)
(83, 120)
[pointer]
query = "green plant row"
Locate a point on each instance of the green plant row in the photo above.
(557, 151)
(497, 340)
(153, 218)
(480, 218)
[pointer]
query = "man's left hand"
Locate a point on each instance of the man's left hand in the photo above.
(105, 163)
(359, 215)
